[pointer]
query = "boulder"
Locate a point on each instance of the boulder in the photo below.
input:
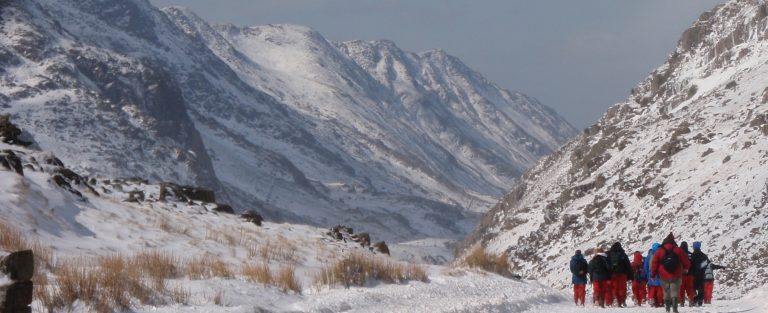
(186, 193)
(381, 247)
(9, 133)
(224, 208)
(20, 266)
(363, 239)
(18, 297)
(63, 183)
(252, 217)
(136, 196)
(10, 161)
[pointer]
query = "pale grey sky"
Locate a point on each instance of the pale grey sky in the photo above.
(576, 56)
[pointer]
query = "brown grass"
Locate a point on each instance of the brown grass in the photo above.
(360, 268)
(479, 258)
(205, 267)
(13, 239)
(286, 279)
(257, 273)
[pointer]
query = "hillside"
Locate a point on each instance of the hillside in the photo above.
(272, 118)
(685, 153)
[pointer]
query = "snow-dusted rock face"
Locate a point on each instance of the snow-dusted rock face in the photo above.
(273, 118)
(686, 153)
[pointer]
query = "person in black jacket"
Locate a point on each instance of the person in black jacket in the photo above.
(704, 278)
(621, 272)
(599, 274)
(579, 268)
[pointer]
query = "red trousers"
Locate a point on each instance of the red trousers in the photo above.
(619, 285)
(639, 292)
(709, 286)
(599, 291)
(687, 287)
(608, 293)
(656, 294)
(579, 293)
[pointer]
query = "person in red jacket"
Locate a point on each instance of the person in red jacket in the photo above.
(687, 285)
(670, 263)
(639, 282)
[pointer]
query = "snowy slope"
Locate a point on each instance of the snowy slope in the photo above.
(91, 225)
(686, 153)
(273, 118)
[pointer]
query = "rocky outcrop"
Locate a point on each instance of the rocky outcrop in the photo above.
(252, 217)
(16, 297)
(10, 133)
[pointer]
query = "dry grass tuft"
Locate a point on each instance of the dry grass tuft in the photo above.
(205, 267)
(257, 273)
(13, 239)
(359, 268)
(479, 258)
(286, 279)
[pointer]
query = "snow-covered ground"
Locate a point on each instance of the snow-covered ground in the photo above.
(92, 225)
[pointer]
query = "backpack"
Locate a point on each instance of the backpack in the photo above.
(639, 273)
(615, 262)
(582, 266)
(709, 274)
(670, 261)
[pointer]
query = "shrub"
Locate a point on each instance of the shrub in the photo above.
(286, 279)
(479, 258)
(258, 273)
(359, 268)
(205, 267)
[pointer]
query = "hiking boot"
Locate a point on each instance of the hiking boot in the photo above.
(674, 307)
(667, 305)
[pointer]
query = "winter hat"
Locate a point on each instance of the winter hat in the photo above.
(616, 246)
(697, 245)
(655, 246)
(578, 252)
(670, 239)
(684, 246)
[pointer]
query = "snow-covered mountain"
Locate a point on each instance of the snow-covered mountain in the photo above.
(273, 118)
(686, 153)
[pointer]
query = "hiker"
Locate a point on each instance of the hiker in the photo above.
(640, 279)
(599, 275)
(579, 269)
(687, 283)
(704, 276)
(670, 263)
(655, 296)
(621, 272)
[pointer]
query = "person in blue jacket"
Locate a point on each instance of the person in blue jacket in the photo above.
(579, 269)
(655, 293)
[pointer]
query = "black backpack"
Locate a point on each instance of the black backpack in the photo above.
(670, 261)
(582, 266)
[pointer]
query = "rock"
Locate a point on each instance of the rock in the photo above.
(70, 175)
(136, 196)
(186, 193)
(363, 239)
(10, 161)
(64, 184)
(252, 217)
(9, 133)
(381, 247)
(20, 266)
(52, 160)
(224, 208)
(18, 297)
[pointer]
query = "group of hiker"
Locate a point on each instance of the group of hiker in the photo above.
(665, 276)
